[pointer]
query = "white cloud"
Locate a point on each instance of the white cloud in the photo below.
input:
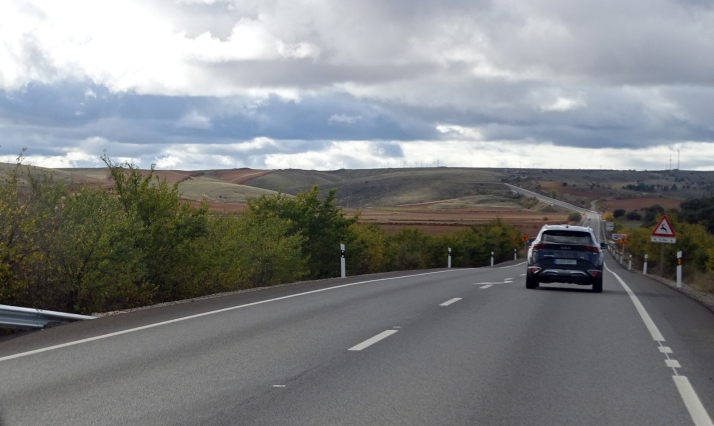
(194, 120)
(460, 132)
(344, 119)
(564, 104)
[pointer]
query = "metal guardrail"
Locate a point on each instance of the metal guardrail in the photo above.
(17, 317)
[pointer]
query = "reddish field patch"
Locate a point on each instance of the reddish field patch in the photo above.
(430, 221)
(639, 203)
(239, 176)
(451, 220)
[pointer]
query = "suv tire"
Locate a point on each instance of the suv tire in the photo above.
(597, 285)
(531, 282)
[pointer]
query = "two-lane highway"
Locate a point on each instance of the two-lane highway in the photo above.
(456, 346)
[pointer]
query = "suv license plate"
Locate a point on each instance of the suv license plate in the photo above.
(566, 262)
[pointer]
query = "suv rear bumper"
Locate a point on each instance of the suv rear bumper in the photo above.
(558, 275)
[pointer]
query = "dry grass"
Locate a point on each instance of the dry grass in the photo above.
(702, 282)
(640, 203)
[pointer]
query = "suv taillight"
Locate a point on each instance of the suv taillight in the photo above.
(538, 246)
(592, 249)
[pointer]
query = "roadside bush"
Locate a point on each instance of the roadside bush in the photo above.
(575, 217)
(618, 213)
(369, 250)
(167, 229)
(321, 223)
(528, 202)
(633, 215)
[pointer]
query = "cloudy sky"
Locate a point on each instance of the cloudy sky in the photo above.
(318, 84)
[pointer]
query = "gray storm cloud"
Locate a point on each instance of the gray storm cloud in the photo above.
(612, 74)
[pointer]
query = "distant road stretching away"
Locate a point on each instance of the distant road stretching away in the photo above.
(452, 347)
(548, 199)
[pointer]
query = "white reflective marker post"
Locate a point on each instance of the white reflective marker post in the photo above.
(449, 264)
(342, 261)
(515, 254)
(491, 258)
(644, 267)
(629, 265)
(679, 269)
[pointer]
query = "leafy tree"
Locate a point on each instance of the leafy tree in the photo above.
(167, 228)
(633, 215)
(700, 210)
(651, 213)
(412, 250)
(322, 224)
(619, 213)
(30, 209)
(97, 262)
(368, 250)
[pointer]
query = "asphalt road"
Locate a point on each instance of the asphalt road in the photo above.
(460, 346)
(549, 200)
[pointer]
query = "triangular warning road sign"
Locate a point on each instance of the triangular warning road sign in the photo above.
(663, 229)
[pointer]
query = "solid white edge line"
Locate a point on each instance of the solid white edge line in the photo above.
(511, 266)
(158, 324)
(487, 286)
(691, 400)
(372, 340)
(654, 331)
(449, 302)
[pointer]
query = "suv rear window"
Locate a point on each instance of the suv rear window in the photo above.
(567, 237)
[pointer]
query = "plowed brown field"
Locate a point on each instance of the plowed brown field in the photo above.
(639, 203)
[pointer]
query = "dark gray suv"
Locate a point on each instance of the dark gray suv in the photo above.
(565, 254)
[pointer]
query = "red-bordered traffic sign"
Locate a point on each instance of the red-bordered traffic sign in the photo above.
(663, 229)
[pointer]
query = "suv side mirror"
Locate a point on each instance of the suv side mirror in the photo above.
(603, 246)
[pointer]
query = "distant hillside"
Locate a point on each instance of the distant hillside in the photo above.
(464, 187)
(389, 187)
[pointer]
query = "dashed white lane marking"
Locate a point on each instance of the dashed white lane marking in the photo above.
(672, 363)
(158, 324)
(507, 280)
(691, 400)
(686, 391)
(654, 331)
(523, 275)
(449, 302)
(278, 386)
(487, 286)
(372, 340)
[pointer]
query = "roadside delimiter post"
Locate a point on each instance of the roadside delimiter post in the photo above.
(515, 254)
(449, 264)
(629, 264)
(342, 261)
(679, 269)
(491, 258)
(644, 268)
